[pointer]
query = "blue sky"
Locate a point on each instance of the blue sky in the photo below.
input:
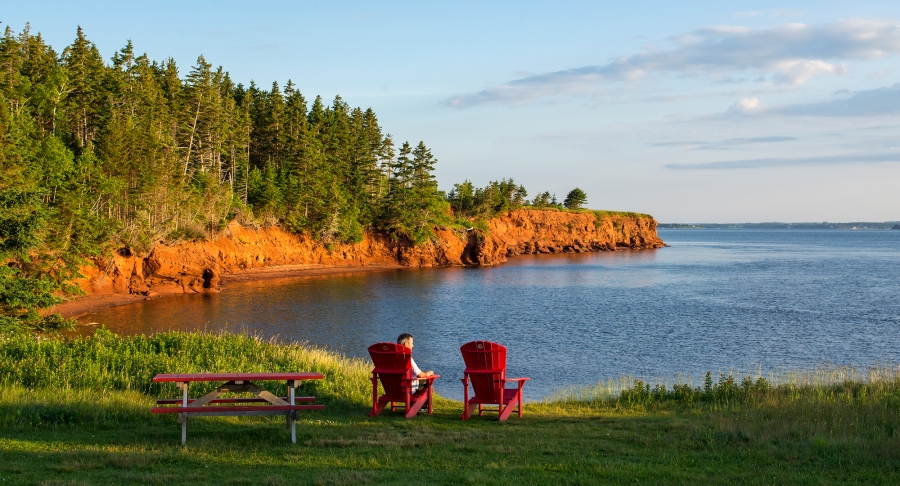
(692, 112)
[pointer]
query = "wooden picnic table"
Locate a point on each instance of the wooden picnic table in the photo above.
(212, 404)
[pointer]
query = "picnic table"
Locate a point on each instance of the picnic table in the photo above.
(265, 402)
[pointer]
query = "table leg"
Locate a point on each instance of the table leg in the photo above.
(184, 417)
(292, 415)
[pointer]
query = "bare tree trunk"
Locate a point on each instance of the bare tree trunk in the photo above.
(187, 159)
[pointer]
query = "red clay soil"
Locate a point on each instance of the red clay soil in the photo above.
(241, 253)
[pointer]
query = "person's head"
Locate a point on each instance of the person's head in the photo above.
(406, 340)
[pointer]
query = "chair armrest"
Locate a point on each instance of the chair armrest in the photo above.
(482, 372)
(517, 379)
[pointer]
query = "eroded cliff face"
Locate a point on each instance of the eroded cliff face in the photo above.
(198, 266)
(530, 231)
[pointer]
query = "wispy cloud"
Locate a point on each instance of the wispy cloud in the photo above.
(754, 140)
(881, 101)
(724, 144)
(787, 54)
(787, 162)
(874, 102)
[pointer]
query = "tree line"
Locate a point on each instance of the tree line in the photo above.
(132, 152)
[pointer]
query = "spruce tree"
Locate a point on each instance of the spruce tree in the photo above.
(85, 71)
(575, 199)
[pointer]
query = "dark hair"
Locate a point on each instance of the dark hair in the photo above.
(404, 338)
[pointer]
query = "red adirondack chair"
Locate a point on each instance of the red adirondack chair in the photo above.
(486, 369)
(393, 368)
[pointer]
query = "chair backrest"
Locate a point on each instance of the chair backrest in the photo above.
(392, 363)
(485, 356)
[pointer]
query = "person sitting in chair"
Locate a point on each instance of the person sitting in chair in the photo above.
(407, 340)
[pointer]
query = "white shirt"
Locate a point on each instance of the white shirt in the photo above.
(416, 385)
(415, 368)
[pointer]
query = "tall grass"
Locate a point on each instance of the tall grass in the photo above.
(836, 407)
(734, 384)
(108, 362)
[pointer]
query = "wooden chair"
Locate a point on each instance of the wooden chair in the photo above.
(394, 370)
(486, 369)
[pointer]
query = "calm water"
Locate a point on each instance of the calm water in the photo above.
(715, 300)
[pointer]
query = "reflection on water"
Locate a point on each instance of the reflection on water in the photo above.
(715, 300)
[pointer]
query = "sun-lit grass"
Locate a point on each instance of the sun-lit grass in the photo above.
(600, 213)
(107, 362)
(823, 377)
(77, 412)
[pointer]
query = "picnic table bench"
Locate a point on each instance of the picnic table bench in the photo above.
(211, 404)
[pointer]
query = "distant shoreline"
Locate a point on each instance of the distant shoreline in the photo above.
(887, 225)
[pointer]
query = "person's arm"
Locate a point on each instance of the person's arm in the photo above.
(419, 373)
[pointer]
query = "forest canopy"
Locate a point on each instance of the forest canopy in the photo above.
(131, 151)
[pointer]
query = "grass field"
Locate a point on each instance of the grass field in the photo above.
(77, 412)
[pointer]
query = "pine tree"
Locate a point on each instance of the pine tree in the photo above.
(85, 71)
(575, 199)
(414, 203)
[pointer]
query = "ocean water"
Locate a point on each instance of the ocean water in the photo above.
(715, 300)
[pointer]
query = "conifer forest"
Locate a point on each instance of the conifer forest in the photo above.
(129, 152)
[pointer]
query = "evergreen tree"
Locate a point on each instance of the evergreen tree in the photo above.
(85, 71)
(542, 200)
(414, 203)
(575, 199)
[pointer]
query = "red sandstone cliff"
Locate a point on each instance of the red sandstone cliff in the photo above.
(198, 266)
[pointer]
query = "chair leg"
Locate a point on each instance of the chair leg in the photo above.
(480, 410)
(416, 405)
(375, 410)
(379, 406)
(506, 410)
(467, 411)
(520, 399)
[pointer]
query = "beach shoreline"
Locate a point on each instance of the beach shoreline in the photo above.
(89, 304)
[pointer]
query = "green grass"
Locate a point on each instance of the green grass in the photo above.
(76, 412)
(600, 213)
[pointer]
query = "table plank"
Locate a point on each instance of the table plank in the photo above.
(236, 409)
(177, 401)
(187, 377)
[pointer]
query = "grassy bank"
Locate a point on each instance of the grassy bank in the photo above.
(76, 412)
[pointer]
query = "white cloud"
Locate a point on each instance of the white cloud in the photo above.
(745, 105)
(800, 71)
(788, 162)
(788, 54)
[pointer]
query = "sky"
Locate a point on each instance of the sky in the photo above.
(689, 111)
